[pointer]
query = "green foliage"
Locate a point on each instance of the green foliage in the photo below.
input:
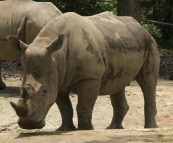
(85, 7)
(154, 30)
(162, 11)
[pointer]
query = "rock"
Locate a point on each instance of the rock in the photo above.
(137, 93)
(158, 94)
(169, 104)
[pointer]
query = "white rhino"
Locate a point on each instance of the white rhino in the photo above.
(90, 56)
(24, 18)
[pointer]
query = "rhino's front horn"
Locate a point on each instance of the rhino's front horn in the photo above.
(20, 108)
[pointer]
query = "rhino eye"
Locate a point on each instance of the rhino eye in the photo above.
(37, 75)
(44, 91)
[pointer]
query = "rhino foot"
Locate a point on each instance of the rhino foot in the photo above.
(115, 127)
(2, 85)
(66, 128)
(85, 128)
(151, 126)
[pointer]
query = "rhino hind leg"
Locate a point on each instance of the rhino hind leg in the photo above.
(87, 91)
(149, 90)
(147, 79)
(2, 84)
(64, 104)
(120, 108)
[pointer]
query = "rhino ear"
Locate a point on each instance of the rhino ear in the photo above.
(16, 43)
(55, 44)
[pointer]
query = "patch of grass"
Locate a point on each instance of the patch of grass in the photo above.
(25, 131)
(149, 130)
(160, 135)
(5, 127)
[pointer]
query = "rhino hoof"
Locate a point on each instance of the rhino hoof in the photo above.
(115, 127)
(85, 128)
(2, 85)
(66, 128)
(151, 126)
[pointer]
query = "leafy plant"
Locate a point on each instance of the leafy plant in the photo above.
(85, 7)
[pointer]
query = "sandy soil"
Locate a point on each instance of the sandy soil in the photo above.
(102, 115)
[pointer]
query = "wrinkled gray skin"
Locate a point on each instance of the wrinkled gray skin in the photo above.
(24, 18)
(90, 56)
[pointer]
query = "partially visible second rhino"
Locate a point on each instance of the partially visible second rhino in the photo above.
(24, 18)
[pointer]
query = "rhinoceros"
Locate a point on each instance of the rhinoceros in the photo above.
(89, 56)
(24, 18)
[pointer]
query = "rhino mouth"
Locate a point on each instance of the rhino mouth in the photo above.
(31, 124)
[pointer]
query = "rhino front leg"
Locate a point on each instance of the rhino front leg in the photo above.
(120, 108)
(66, 110)
(87, 91)
(2, 84)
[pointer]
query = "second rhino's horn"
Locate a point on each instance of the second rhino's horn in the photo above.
(20, 108)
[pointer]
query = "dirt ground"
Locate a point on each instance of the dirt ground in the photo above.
(102, 115)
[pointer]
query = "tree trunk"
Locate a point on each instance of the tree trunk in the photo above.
(170, 7)
(167, 31)
(130, 8)
(154, 9)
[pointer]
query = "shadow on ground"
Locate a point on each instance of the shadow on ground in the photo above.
(138, 138)
(32, 134)
(115, 136)
(10, 90)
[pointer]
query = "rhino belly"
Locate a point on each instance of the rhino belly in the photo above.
(120, 73)
(115, 80)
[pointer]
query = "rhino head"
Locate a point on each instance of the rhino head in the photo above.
(30, 114)
(40, 82)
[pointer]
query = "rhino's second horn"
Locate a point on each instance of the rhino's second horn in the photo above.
(27, 91)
